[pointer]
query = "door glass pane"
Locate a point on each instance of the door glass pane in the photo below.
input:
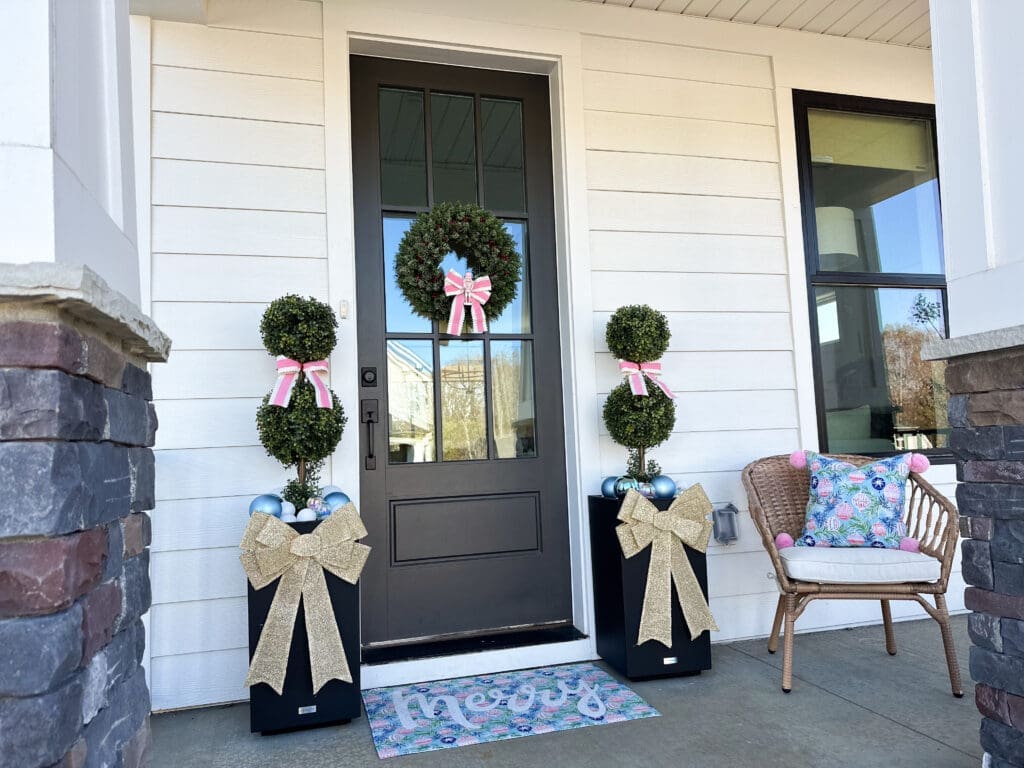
(879, 394)
(463, 414)
(403, 156)
(501, 126)
(516, 316)
(453, 147)
(512, 399)
(876, 193)
(399, 315)
(410, 401)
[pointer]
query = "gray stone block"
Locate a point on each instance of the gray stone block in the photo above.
(115, 551)
(116, 662)
(1002, 741)
(136, 381)
(1012, 637)
(51, 488)
(127, 418)
(985, 443)
(38, 404)
(1008, 541)
(998, 670)
(39, 730)
(136, 595)
(977, 563)
(1008, 578)
(991, 500)
(39, 653)
(143, 479)
(115, 725)
(985, 631)
(998, 471)
(957, 411)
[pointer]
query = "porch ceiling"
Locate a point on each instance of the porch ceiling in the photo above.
(898, 22)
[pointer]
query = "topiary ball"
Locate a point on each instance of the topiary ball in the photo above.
(637, 333)
(639, 422)
(299, 328)
(302, 431)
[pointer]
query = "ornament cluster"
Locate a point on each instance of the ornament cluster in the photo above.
(274, 504)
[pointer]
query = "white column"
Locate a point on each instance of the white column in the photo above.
(977, 65)
(66, 174)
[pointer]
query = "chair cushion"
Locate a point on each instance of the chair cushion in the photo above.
(858, 565)
(855, 506)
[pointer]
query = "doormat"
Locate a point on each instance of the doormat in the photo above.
(406, 719)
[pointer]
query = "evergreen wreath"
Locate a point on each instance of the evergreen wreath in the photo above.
(471, 233)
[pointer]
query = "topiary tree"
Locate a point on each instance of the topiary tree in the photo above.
(300, 434)
(638, 334)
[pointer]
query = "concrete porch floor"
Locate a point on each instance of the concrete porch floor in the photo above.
(851, 705)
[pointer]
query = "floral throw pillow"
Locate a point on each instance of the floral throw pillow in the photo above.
(855, 506)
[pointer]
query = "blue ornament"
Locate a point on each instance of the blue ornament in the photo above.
(624, 484)
(646, 490)
(608, 487)
(664, 487)
(336, 499)
(268, 504)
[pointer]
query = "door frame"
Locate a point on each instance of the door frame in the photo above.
(405, 35)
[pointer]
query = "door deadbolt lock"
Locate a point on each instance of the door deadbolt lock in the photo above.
(368, 377)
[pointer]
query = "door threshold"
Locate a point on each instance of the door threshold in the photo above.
(455, 646)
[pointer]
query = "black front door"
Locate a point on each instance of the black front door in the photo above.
(465, 501)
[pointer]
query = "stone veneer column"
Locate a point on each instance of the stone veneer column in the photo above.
(985, 377)
(76, 479)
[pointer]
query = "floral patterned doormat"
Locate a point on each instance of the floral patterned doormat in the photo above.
(407, 719)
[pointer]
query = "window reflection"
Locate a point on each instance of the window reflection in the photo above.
(403, 155)
(463, 414)
(502, 148)
(876, 193)
(879, 394)
(398, 314)
(410, 402)
(453, 146)
(512, 404)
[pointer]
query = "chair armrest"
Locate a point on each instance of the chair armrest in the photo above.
(932, 519)
(760, 519)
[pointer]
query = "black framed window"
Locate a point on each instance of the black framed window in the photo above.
(869, 190)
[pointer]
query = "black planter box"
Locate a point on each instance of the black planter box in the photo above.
(297, 707)
(619, 597)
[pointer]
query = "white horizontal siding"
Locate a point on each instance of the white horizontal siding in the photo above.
(238, 218)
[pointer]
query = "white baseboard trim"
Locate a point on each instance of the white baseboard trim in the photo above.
(483, 662)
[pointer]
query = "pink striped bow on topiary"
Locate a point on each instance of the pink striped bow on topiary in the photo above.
(288, 371)
(637, 372)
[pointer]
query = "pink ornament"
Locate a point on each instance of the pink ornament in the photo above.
(844, 511)
(878, 529)
(855, 539)
(857, 477)
(798, 459)
(783, 540)
(910, 545)
(919, 463)
(824, 487)
(861, 501)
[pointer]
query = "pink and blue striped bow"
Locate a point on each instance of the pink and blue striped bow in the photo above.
(471, 291)
(636, 372)
(288, 371)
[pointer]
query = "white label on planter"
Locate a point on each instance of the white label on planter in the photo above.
(307, 710)
(670, 660)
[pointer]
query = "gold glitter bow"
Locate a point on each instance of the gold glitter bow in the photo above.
(271, 550)
(685, 522)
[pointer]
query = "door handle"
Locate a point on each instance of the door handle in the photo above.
(369, 414)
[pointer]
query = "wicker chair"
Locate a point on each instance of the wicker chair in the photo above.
(777, 494)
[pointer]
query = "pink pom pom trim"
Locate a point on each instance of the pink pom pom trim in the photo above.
(919, 463)
(783, 540)
(908, 544)
(797, 459)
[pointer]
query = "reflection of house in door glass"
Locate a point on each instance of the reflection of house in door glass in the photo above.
(410, 401)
